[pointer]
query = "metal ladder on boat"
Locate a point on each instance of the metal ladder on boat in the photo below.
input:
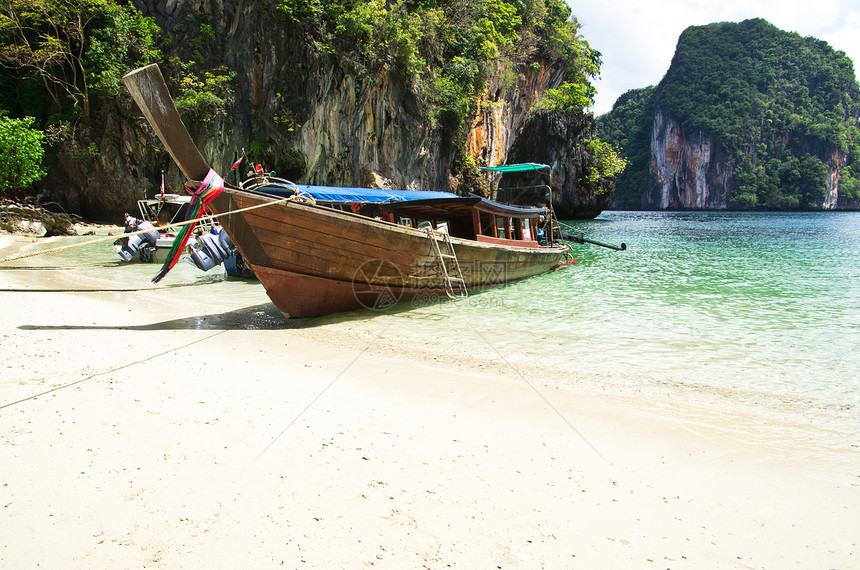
(455, 285)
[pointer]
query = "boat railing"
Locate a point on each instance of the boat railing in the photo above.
(263, 180)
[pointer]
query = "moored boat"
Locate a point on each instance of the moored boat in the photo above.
(206, 250)
(314, 260)
(161, 209)
(316, 256)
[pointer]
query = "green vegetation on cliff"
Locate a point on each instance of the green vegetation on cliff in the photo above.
(74, 48)
(446, 50)
(628, 128)
(781, 108)
(57, 59)
(249, 75)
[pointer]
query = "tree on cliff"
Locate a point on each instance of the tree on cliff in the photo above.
(596, 174)
(75, 47)
(782, 109)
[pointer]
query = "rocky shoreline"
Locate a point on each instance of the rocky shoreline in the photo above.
(28, 217)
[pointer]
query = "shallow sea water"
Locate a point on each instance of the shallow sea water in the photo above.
(757, 307)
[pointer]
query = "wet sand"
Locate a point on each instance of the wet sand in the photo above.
(187, 427)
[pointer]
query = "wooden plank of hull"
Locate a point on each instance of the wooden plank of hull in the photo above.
(315, 260)
(300, 295)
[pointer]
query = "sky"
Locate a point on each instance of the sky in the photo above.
(637, 38)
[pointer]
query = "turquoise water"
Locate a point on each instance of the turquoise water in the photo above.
(760, 307)
(769, 302)
(89, 268)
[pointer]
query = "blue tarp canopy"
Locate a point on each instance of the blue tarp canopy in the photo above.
(342, 194)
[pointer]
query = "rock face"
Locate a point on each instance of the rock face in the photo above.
(369, 126)
(689, 172)
(836, 161)
(107, 166)
(296, 110)
(504, 110)
(559, 140)
(310, 120)
(747, 117)
(686, 169)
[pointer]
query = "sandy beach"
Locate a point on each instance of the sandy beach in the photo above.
(180, 427)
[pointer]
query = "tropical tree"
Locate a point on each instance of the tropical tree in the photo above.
(21, 153)
(74, 46)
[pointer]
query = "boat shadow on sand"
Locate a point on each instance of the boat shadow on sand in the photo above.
(258, 317)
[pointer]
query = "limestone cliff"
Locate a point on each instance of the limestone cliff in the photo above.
(100, 169)
(293, 107)
(504, 110)
(560, 140)
(341, 126)
(296, 111)
(747, 117)
(687, 171)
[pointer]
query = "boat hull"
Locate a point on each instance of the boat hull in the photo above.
(298, 295)
(314, 260)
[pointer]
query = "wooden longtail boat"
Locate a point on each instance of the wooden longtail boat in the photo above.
(314, 258)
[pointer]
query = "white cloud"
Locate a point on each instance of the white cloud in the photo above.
(637, 39)
(846, 37)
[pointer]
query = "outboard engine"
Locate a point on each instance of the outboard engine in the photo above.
(132, 244)
(147, 253)
(212, 249)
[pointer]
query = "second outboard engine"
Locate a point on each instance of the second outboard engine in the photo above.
(134, 243)
(212, 250)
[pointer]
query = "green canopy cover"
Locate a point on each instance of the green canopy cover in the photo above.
(517, 167)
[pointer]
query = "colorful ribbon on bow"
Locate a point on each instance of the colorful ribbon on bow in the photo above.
(208, 190)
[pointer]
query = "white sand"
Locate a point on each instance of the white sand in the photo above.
(159, 444)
